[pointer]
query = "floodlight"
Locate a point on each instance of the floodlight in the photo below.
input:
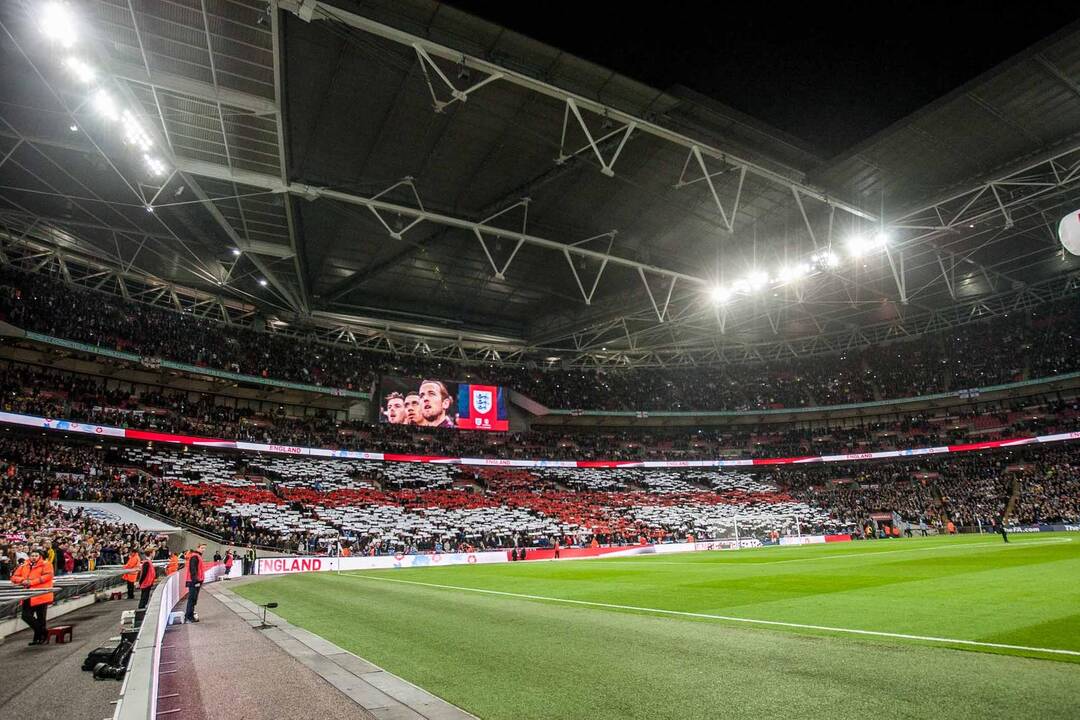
(757, 280)
(857, 245)
(719, 295)
(155, 166)
(134, 133)
(82, 71)
(105, 105)
(791, 273)
(57, 22)
(262, 281)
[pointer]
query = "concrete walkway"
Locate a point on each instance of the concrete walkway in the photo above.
(47, 681)
(380, 694)
(222, 669)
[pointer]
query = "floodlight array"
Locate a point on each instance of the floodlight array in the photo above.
(821, 262)
(59, 23)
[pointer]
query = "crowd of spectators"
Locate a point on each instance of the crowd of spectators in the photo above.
(73, 542)
(1050, 492)
(45, 392)
(971, 490)
(1040, 483)
(1026, 344)
(38, 471)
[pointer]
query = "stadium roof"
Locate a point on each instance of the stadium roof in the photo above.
(407, 176)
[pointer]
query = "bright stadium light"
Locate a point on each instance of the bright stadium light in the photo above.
(857, 245)
(105, 105)
(826, 259)
(719, 295)
(154, 165)
(57, 22)
(83, 72)
(262, 281)
(740, 286)
(236, 252)
(757, 280)
(793, 273)
(134, 133)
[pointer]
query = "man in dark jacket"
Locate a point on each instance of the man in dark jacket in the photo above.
(195, 572)
(147, 574)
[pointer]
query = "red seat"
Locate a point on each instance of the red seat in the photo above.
(62, 633)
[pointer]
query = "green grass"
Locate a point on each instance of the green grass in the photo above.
(504, 656)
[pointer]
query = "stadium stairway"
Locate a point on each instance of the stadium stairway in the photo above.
(1014, 497)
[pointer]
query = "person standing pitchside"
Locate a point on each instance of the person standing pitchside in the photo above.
(35, 573)
(1001, 528)
(194, 582)
(147, 575)
(130, 578)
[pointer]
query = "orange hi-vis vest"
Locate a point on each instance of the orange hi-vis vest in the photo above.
(133, 563)
(40, 576)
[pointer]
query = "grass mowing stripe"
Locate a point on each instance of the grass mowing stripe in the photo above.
(728, 618)
(867, 554)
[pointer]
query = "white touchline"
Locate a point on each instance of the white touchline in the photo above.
(868, 554)
(728, 618)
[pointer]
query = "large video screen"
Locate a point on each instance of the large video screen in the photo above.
(441, 403)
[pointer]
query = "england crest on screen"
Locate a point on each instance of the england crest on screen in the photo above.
(482, 401)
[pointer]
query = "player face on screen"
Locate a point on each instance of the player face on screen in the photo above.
(395, 409)
(413, 416)
(434, 402)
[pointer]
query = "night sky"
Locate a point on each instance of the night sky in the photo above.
(829, 74)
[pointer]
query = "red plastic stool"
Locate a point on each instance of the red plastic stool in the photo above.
(62, 633)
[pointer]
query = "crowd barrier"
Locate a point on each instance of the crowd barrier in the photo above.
(193, 440)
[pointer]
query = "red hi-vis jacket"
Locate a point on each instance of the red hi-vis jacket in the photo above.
(149, 573)
(194, 558)
(40, 576)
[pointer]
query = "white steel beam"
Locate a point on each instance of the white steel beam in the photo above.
(181, 85)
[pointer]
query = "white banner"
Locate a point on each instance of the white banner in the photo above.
(117, 513)
(283, 565)
(802, 540)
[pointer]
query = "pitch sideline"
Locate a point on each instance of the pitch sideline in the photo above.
(726, 618)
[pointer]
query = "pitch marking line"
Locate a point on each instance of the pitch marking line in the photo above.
(728, 618)
(867, 554)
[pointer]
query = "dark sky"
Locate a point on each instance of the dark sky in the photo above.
(830, 74)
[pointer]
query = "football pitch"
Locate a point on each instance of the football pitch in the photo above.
(949, 627)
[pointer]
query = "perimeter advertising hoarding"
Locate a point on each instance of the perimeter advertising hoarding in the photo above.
(441, 403)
